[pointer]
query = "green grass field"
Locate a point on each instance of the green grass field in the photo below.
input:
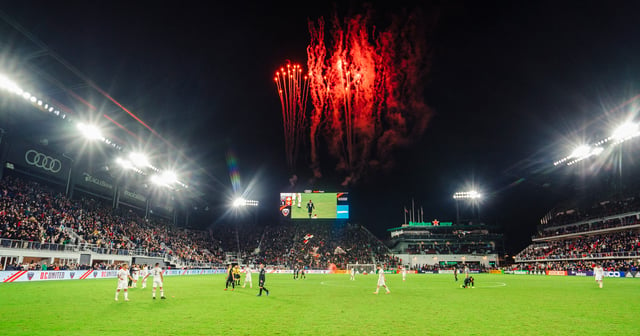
(325, 204)
(327, 305)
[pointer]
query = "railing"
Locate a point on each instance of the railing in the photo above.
(83, 247)
(580, 256)
(35, 245)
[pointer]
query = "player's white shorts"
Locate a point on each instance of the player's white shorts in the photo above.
(122, 284)
(247, 278)
(144, 273)
(381, 283)
(136, 275)
(157, 283)
(598, 277)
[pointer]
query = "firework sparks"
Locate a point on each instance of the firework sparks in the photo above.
(366, 91)
(293, 90)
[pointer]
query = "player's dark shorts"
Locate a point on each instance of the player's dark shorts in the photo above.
(261, 283)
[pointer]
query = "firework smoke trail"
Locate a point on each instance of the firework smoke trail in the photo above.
(293, 90)
(366, 91)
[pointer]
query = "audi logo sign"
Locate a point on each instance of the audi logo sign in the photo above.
(43, 161)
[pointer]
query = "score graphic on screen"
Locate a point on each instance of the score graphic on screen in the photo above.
(315, 205)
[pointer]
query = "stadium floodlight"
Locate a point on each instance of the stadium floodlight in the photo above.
(9, 85)
(241, 202)
(125, 163)
(90, 132)
(580, 152)
(139, 160)
(238, 202)
(473, 194)
(625, 132)
(165, 178)
(169, 177)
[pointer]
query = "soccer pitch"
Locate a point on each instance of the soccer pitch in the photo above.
(325, 204)
(329, 304)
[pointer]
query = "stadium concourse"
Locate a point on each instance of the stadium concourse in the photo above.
(40, 228)
(605, 232)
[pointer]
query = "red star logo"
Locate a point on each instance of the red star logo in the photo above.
(435, 222)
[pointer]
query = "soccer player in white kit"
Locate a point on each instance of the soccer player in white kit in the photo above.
(123, 276)
(598, 273)
(158, 280)
(404, 273)
(144, 273)
(353, 273)
(136, 275)
(247, 277)
(381, 281)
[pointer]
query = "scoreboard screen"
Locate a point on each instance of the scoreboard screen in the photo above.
(315, 205)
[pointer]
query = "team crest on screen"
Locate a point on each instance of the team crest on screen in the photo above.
(30, 275)
(285, 212)
(72, 274)
(95, 274)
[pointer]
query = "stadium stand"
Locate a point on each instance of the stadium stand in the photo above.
(34, 217)
(606, 231)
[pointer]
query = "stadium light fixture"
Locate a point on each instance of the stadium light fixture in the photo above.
(581, 151)
(9, 85)
(241, 202)
(90, 132)
(625, 132)
(166, 178)
(473, 194)
(139, 160)
(124, 163)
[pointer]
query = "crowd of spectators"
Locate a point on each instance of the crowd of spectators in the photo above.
(621, 243)
(453, 247)
(32, 212)
(318, 245)
(29, 212)
(611, 265)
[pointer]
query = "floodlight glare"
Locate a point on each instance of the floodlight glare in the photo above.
(473, 194)
(7, 84)
(139, 160)
(169, 177)
(89, 131)
(124, 163)
(238, 202)
(581, 151)
(626, 131)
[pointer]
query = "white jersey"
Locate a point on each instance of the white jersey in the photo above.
(247, 275)
(122, 278)
(381, 277)
(157, 275)
(144, 272)
(598, 272)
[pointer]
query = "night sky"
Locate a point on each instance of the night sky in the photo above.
(511, 85)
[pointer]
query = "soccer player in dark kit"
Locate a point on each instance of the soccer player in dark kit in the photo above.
(230, 279)
(310, 208)
(468, 282)
(261, 280)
